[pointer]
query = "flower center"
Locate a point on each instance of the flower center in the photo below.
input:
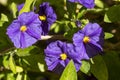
(43, 17)
(23, 28)
(86, 39)
(63, 56)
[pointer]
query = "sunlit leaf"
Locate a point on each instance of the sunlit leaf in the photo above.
(41, 67)
(6, 62)
(108, 35)
(27, 51)
(99, 3)
(26, 7)
(69, 72)
(12, 64)
(10, 76)
(85, 67)
(19, 76)
(13, 7)
(19, 69)
(1, 75)
(3, 19)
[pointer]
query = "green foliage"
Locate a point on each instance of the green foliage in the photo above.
(69, 34)
(9, 76)
(27, 6)
(3, 19)
(108, 35)
(13, 7)
(99, 68)
(85, 67)
(112, 15)
(27, 51)
(18, 64)
(69, 72)
(32, 58)
(6, 62)
(112, 60)
(19, 69)
(99, 3)
(71, 8)
(12, 64)
(19, 76)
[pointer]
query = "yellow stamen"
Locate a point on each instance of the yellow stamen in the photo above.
(86, 39)
(43, 17)
(63, 56)
(23, 28)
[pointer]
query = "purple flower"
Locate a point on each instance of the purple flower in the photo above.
(91, 37)
(25, 30)
(47, 16)
(78, 23)
(87, 3)
(58, 54)
(19, 7)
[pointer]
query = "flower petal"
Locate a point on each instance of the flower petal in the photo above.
(87, 3)
(27, 18)
(92, 49)
(78, 38)
(35, 31)
(14, 33)
(27, 40)
(51, 62)
(77, 66)
(92, 30)
(54, 49)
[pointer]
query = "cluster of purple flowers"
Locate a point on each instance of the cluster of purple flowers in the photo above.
(86, 44)
(29, 26)
(86, 3)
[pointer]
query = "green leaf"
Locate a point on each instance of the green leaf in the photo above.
(19, 69)
(108, 35)
(36, 62)
(2, 75)
(69, 34)
(69, 72)
(99, 68)
(71, 8)
(27, 51)
(12, 64)
(41, 67)
(19, 76)
(10, 76)
(13, 7)
(25, 77)
(3, 19)
(32, 58)
(113, 14)
(85, 67)
(112, 59)
(81, 13)
(99, 3)
(6, 62)
(26, 7)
